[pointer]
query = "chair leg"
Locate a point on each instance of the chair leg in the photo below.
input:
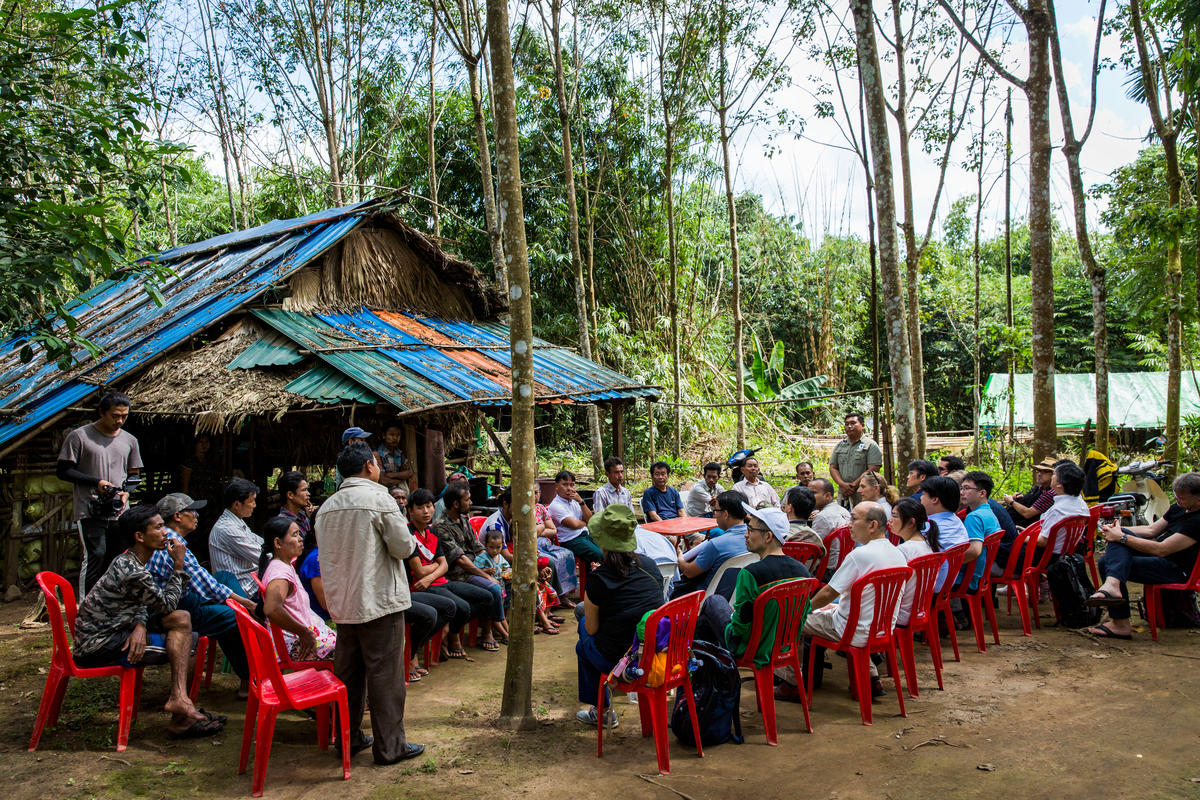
(323, 716)
(807, 676)
(198, 671)
(600, 717)
(804, 697)
(52, 697)
(990, 608)
(646, 719)
(862, 681)
(1032, 590)
(935, 649)
(131, 680)
(891, 657)
(210, 665)
(948, 617)
(909, 658)
(264, 732)
(975, 608)
(343, 710)
(764, 689)
(691, 699)
(1018, 589)
(248, 732)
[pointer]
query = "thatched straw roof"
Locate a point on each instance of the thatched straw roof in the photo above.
(196, 384)
(386, 264)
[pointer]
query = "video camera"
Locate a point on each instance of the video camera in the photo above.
(108, 502)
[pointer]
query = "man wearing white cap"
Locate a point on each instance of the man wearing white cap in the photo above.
(729, 625)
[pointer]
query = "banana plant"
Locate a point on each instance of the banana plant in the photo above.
(764, 381)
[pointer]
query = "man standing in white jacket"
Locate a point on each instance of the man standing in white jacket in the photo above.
(364, 541)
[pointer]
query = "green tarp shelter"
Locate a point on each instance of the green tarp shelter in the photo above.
(1135, 399)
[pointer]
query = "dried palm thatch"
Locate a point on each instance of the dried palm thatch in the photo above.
(387, 264)
(196, 384)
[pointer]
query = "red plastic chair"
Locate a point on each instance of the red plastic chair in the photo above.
(921, 618)
(271, 692)
(1071, 530)
(1013, 576)
(63, 667)
(791, 602)
(887, 585)
(652, 701)
(807, 553)
(1154, 612)
(982, 596)
(845, 542)
(941, 597)
(282, 655)
(477, 524)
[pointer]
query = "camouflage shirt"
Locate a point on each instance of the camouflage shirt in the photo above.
(123, 597)
(458, 539)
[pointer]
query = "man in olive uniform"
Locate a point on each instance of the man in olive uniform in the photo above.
(852, 457)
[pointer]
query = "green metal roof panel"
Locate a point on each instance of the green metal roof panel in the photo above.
(1135, 399)
(326, 385)
(273, 349)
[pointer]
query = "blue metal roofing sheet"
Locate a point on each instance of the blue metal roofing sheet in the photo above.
(120, 317)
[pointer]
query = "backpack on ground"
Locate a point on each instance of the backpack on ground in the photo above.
(1071, 586)
(718, 691)
(1178, 607)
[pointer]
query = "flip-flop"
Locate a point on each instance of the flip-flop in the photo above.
(221, 718)
(550, 631)
(555, 618)
(198, 729)
(493, 648)
(459, 653)
(1107, 600)
(414, 676)
(421, 671)
(1107, 633)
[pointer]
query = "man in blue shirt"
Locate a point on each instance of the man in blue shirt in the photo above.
(698, 565)
(976, 490)
(660, 501)
(940, 496)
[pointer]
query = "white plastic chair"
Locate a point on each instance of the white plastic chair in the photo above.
(733, 562)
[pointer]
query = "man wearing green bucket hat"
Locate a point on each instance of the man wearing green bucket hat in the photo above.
(619, 593)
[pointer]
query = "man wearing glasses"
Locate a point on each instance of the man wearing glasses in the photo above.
(975, 490)
(206, 593)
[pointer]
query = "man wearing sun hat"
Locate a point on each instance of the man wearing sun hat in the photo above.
(1028, 508)
(729, 624)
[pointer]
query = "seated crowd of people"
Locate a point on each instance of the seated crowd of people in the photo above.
(381, 566)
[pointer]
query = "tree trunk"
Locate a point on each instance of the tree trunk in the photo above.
(1095, 272)
(430, 130)
(899, 359)
(739, 355)
(485, 171)
(1037, 91)
(516, 707)
(976, 399)
(581, 307)
(912, 254)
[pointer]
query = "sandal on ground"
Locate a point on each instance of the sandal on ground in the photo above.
(199, 728)
(221, 718)
(1104, 632)
(491, 647)
(414, 676)
(421, 671)
(555, 619)
(458, 652)
(550, 631)
(1104, 599)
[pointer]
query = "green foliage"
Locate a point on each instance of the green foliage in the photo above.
(75, 160)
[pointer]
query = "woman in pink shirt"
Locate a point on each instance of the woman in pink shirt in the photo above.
(285, 603)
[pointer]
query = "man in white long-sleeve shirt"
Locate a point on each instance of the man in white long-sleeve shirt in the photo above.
(232, 545)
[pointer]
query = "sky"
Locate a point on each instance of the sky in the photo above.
(821, 184)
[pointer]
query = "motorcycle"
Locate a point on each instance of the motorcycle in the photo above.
(738, 460)
(1143, 491)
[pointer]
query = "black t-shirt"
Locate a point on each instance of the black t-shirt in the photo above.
(767, 571)
(1186, 522)
(623, 601)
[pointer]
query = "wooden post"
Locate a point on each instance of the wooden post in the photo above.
(618, 429)
(13, 551)
(410, 450)
(487, 426)
(434, 462)
(650, 427)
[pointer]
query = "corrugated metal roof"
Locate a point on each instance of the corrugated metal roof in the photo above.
(210, 281)
(414, 362)
(1135, 399)
(271, 350)
(326, 385)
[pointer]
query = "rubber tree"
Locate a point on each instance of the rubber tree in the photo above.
(516, 706)
(899, 357)
(1035, 17)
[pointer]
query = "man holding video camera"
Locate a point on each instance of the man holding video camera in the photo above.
(99, 458)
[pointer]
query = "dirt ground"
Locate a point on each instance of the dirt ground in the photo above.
(1055, 715)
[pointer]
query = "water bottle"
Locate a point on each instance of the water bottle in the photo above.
(631, 673)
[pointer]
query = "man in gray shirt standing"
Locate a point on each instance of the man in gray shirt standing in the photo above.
(97, 458)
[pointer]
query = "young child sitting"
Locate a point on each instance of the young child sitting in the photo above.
(492, 561)
(547, 598)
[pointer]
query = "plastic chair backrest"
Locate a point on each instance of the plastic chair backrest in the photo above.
(1193, 581)
(62, 630)
(262, 587)
(733, 562)
(925, 572)
(807, 553)
(477, 524)
(845, 544)
(683, 613)
(260, 652)
(954, 560)
(791, 599)
(991, 546)
(1070, 529)
(887, 586)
